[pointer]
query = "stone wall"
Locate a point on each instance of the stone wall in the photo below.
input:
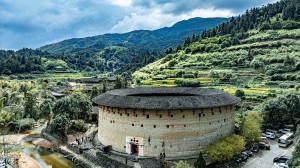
(103, 160)
(177, 133)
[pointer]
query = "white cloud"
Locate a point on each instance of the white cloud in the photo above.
(156, 18)
(124, 3)
(32, 23)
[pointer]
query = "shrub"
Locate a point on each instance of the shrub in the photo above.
(79, 125)
(187, 83)
(226, 148)
(239, 93)
(188, 76)
(182, 164)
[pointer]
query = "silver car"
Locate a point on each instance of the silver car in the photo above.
(285, 130)
(269, 135)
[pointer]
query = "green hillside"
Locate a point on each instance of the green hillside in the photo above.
(260, 47)
(257, 64)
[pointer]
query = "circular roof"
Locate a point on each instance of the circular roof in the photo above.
(164, 98)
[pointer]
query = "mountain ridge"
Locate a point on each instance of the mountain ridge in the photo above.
(158, 39)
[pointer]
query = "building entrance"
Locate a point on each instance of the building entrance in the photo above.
(134, 149)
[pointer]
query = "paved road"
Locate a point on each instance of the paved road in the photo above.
(264, 158)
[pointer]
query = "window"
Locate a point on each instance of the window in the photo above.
(203, 115)
(171, 115)
(160, 116)
(142, 125)
(199, 115)
(127, 115)
(132, 124)
(212, 113)
(183, 116)
(184, 125)
(224, 120)
(154, 126)
(168, 126)
(120, 114)
(210, 123)
(136, 115)
(148, 116)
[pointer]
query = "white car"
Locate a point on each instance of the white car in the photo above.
(281, 165)
(277, 134)
(269, 135)
(285, 130)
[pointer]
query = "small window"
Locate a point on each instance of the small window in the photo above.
(136, 115)
(142, 125)
(160, 116)
(147, 116)
(203, 115)
(212, 113)
(168, 126)
(218, 121)
(171, 115)
(224, 120)
(132, 124)
(154, 126)
(127, 115)
(183, 116)
(120, 114)
(210, 123)
(114, 112)
(110, 121)
(184, 125)
(199, 115)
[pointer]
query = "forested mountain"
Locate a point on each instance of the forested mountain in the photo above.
(115, 53)
(154, 40)
(261, 44)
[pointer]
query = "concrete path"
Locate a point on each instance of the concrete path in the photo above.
(137, 165)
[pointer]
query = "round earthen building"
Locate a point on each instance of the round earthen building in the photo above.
(174, 122)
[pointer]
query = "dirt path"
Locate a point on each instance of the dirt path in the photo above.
(27, 162)
(13, 138)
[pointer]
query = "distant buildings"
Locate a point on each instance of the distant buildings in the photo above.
(172, 122)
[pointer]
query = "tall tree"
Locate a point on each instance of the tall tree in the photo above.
(251, 128)
(200, 163)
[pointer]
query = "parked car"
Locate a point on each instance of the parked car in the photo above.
(249, 153)
(281, 161)
(277, 134)
(263, 145)
(285, 130)
(269, 135)
(255, 148)
(264, 139)
(281, 165)
(237, 159)
(244, 156)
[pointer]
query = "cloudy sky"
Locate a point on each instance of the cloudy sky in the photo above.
(34, 23)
